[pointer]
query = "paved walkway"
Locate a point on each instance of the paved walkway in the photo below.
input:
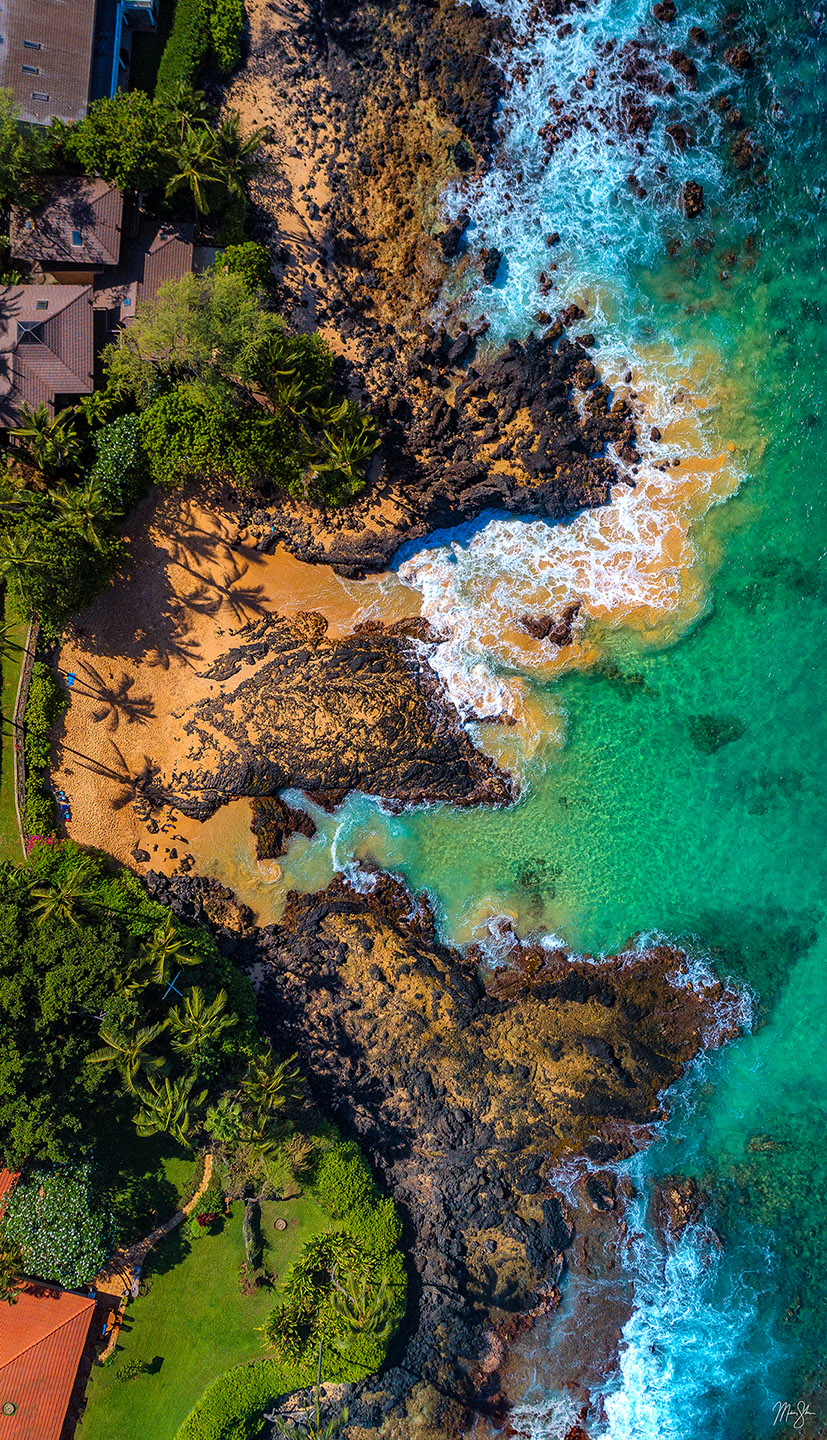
(120, 1281)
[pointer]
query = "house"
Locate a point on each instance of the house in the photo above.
(73, 231)
(57, 55)
(47, 346)
(42, 1339)
(157, 254)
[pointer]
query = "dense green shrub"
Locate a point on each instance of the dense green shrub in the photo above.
(124, 139)
(63, 572)
(186, 47)
(44, 704)
(232, 1407)
(121, 468)
(64, 1234)
(343, 1181)
(249, 260)
(226, 391)
(226, 24)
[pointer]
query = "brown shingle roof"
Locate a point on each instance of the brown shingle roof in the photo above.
(90, 210)
(46, 345)
(41, 1342)
(64, 31)
(169, 257)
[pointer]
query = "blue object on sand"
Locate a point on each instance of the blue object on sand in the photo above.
(70, 679)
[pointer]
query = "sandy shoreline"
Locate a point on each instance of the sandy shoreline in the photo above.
(140, 652)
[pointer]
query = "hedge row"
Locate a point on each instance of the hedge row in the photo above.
(44, 704)
(232, 1407)
(200, 27)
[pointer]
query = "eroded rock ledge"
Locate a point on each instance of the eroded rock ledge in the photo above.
(526, 432)
(329, 717)
(466, 1088)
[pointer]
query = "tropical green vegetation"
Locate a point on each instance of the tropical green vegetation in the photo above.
(201, 29)
(58, 540)
(12, 641)
(44, 704)
(172, 148)
(84, 1010)
(226, 390)
(26, 154)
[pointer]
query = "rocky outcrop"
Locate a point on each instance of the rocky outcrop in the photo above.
(328, 717)
(526, 431)
(467, 1089)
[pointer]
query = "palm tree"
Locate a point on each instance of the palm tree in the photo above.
(52, 443)
(63, 898)
(185, 105)
(224, 1120)
(82, 510)
(271, 1085)
(166, 1108)
(129, 1054)
(344, 448)
(361, 1310)
(195, 1024)
(17, 557)
(311, 1426)
(167, 950)
(198, 166)
(236, 152)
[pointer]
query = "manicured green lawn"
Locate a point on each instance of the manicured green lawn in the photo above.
(192, 1325)
(10, 847)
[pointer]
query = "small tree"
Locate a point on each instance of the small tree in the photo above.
(125, 139)
(11, 1268)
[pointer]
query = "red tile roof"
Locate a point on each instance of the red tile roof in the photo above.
(169, 257)
(41, 1342)
(8, 1180)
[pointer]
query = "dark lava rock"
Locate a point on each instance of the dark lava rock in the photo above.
(491, 259)
(677, 1203)
(685, 67)
(692, 199)
(451, 239)
(400, 1038)
(665, 11)
(438, 467)
(557, 628)
(680, 136)
(328, 717)
(274, 821)
(462, 156)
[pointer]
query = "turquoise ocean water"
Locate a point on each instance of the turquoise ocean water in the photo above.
(684, 793)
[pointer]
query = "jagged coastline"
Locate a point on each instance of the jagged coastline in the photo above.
(468, 1088)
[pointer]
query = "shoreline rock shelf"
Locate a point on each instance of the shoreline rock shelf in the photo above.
(468, 1087)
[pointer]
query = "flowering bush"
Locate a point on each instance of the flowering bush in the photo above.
(62, 1234)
